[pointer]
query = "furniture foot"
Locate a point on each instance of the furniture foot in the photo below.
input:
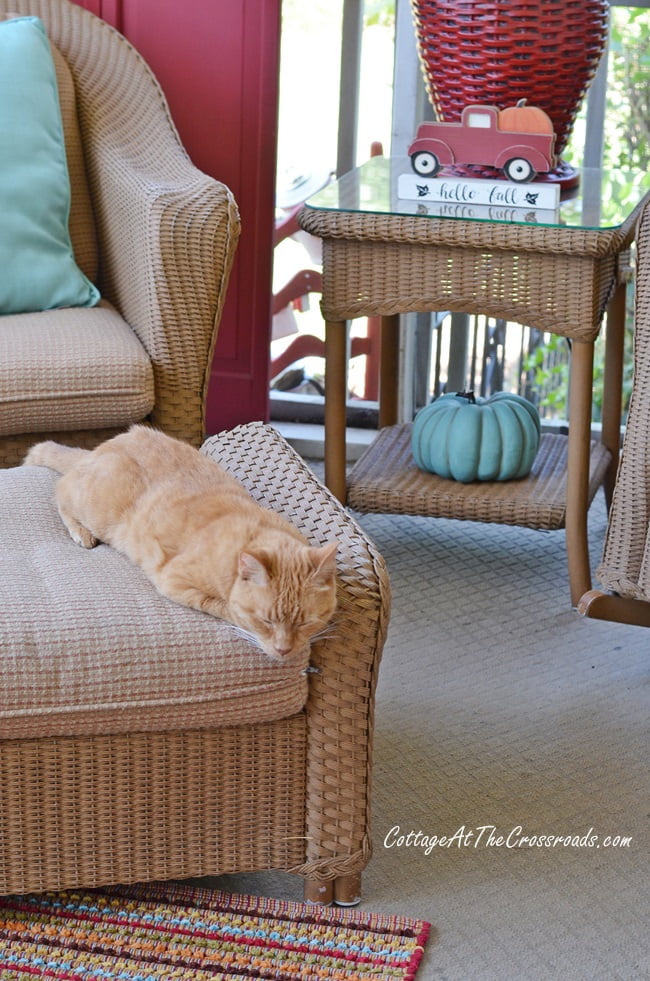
(598, 605)
(343, 891)
(347, 889)
(320, 892)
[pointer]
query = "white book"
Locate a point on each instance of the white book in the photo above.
(480, 212)
(458, 190)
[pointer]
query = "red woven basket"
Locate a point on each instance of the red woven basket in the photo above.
(495, 53)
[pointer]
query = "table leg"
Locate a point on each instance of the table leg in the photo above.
(389, 371)
(613, 384)
(580, 392)
(336, 389)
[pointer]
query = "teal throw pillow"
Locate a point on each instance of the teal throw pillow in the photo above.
(37, 265)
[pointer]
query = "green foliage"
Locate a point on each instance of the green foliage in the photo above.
(628, 95)
(627, 149)
(547, 374)
(628, 369)
(379, 12)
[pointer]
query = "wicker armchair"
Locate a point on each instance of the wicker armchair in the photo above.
(155, 235)
(625, 568)
(141, 740)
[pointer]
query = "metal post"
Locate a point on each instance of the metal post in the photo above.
(458, 350)
(352, 32)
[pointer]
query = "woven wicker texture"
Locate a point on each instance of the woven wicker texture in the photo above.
(74, 369)
(501, 51)
(625, 566)
(550, 278)
(341, 693)
(166, 232)
(386, 480)
(82, 222)
(126, 808)
(293, 793)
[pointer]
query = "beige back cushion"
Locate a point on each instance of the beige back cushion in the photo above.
(82, 223)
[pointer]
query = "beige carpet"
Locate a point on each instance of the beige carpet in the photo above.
(498, 706)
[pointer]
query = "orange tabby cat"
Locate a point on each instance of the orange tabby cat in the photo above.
(197, 534)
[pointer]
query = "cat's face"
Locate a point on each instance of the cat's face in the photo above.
(285, 599)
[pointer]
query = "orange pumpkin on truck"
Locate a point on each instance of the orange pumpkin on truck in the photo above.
(518, 140)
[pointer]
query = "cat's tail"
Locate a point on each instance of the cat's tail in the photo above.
(55, 456)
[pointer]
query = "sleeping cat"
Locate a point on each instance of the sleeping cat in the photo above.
(197, 534)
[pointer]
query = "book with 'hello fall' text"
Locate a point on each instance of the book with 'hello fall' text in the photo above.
(458, 190)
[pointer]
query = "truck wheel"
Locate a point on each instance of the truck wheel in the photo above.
(425, 164)
(520, 170)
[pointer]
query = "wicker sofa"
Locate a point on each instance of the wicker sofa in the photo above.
(154, 234)
(142, 740)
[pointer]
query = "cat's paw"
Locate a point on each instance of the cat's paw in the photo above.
(82, 536)
(78, 532)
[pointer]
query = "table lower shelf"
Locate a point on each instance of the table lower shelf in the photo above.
(386, 480)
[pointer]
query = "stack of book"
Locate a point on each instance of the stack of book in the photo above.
(498, 200)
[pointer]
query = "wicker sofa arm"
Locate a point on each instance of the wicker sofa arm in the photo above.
(167, 276)
(345, 662)
(167, 233)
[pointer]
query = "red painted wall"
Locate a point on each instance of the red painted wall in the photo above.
(217, 61)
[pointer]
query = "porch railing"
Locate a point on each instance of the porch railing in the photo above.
(452, 351)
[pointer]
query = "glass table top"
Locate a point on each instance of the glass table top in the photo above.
(603, 200)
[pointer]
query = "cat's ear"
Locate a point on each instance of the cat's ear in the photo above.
(324, 562)
(252, 569)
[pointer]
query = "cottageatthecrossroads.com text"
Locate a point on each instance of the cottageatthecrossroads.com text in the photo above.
(488, 836)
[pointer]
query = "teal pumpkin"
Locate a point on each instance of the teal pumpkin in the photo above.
(465, 438)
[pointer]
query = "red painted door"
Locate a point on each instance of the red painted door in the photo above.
(217, 61)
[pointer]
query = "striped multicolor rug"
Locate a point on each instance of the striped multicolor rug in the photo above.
(163, 932)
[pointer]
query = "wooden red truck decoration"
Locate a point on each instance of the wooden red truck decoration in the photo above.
(518, 140)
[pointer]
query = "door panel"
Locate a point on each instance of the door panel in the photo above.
(217, 62)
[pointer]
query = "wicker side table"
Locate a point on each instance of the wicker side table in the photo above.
(380, 261)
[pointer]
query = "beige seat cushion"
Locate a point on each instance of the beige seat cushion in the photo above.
(76, 368)
(87, 645)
